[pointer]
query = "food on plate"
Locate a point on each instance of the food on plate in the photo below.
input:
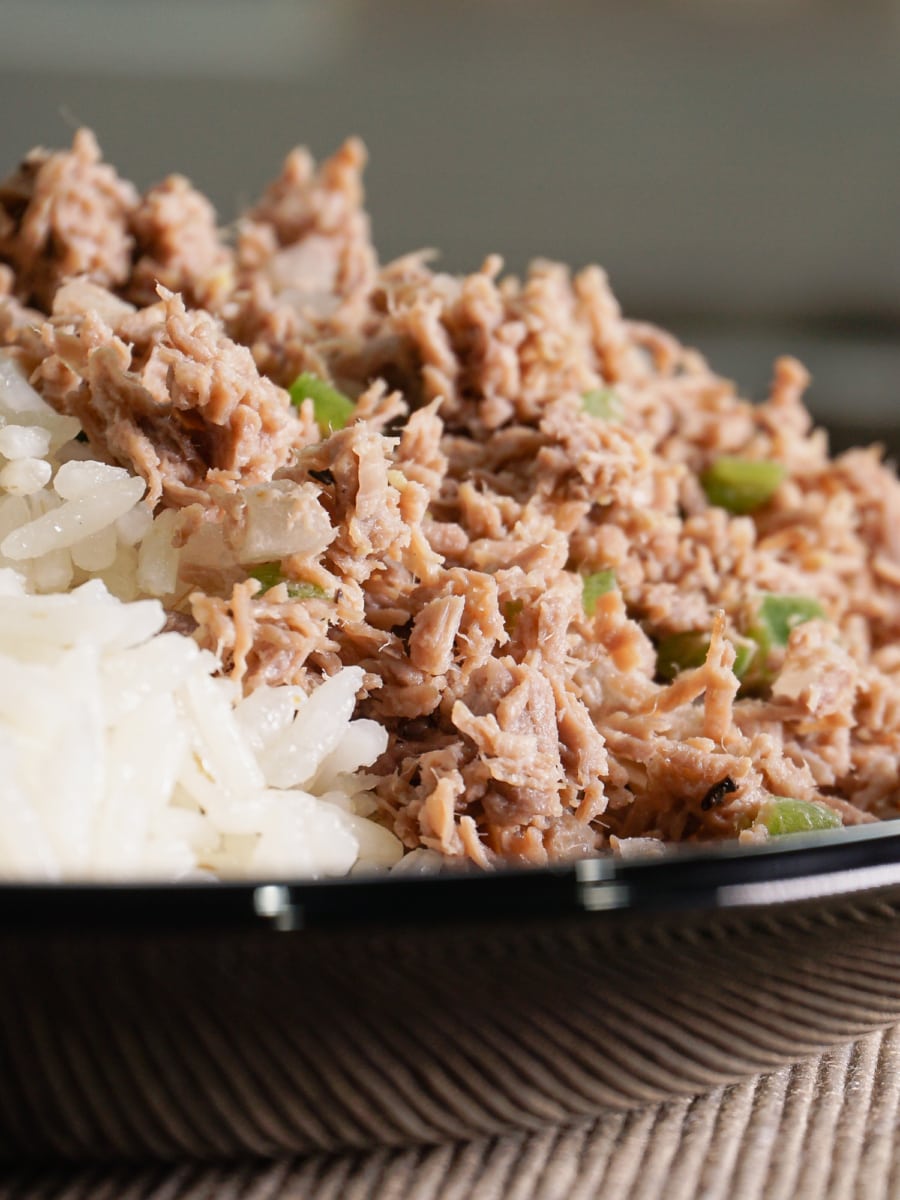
(506, 576)
(125, 753)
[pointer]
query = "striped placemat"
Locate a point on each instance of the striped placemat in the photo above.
(827, 1127)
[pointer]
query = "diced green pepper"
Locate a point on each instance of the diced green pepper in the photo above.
(778, 615)
(594, 587)
(307, 591)
(270, 575)
(742, 485)
(681, 651)
(605, 403)
(771, 628)
(332, 409)
(745, 651)
(511, 611)
(782, 815)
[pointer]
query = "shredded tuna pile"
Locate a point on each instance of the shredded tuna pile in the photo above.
(512, 443)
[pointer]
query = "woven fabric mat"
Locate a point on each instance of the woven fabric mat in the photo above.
(828, 1127)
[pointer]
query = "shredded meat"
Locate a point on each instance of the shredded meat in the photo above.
(177, 245)
(510, 439)
(62, 215)
(194, 411)
(433, 636)
(306, 265)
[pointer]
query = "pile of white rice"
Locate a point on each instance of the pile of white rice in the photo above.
(122, 753)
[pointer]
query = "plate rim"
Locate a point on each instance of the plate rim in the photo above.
(708, 877)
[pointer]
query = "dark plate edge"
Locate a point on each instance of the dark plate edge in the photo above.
(850, 861)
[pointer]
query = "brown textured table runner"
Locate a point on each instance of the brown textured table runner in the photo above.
(827, 1127)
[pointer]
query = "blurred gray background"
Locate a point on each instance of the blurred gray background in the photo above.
(734, 164)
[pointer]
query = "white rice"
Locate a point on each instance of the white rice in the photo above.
(123, 754)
